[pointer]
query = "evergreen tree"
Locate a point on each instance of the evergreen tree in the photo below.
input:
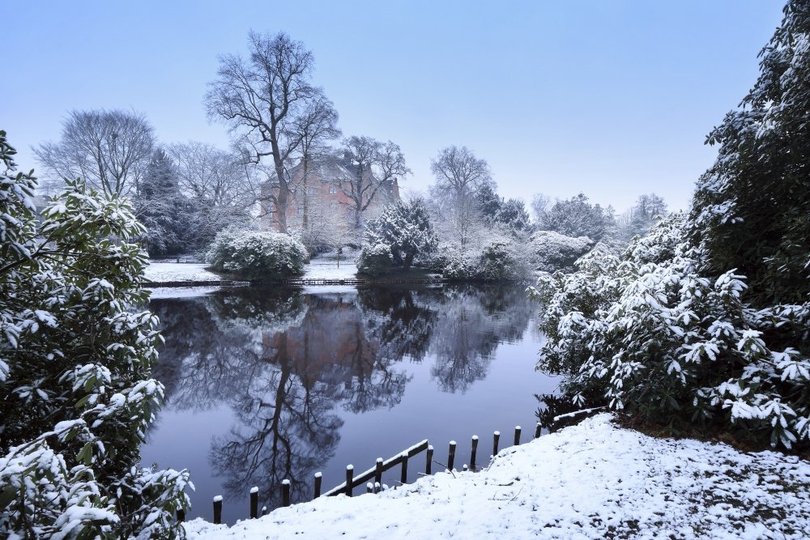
(489, 203)
(403, 232)
(165, 212)
(578, 217)
(514, 216)
(752, 208)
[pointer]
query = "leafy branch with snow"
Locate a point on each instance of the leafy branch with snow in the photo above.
(75, 369)
(706, 319)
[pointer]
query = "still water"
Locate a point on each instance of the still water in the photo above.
(268, 384)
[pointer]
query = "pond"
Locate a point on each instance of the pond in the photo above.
(264, 385)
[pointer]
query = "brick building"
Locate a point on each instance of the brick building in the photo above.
(319, 199)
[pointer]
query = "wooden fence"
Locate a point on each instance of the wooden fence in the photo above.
(374, 473)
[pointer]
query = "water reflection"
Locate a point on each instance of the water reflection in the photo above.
(290, 363)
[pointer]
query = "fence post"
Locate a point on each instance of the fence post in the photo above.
(318, 480)
(473, 451)
(537, 430)
(429, 461)
(451, 455)
(369, 487)
(378, 471)
(517, 435)
(404, 476)
(264, 510)
(217, 509)
(495, 437)
(254, 502)
(285, 492)
(349, 479)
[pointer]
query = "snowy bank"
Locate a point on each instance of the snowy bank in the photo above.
(169, 272)
(589, 481)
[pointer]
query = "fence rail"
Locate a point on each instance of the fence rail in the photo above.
(374, 473)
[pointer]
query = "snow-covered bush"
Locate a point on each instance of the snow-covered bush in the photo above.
(375, 260)
(674, 331)
(498, 260)
(76, 393)
(257, 255)
(752, 207)
(552, 251)
(399, 238)
(653, 334)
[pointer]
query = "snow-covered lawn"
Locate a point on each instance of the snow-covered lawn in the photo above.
(327, 268)
(167, 272)
(593, 480)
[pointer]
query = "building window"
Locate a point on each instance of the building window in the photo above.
(332, 190)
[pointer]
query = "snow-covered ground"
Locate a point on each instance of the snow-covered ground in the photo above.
(166, 272)
(181, 292)
(327, 268)
(593, 480)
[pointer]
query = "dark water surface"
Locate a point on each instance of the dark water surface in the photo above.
(268, 384)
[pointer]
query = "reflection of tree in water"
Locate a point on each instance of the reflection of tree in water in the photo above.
(472, 322)
(283, 361)
(400, 319)
(286, 430)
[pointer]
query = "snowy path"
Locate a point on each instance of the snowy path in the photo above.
(589, 481)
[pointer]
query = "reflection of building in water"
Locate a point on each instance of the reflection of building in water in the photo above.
(285, 361)
(330, 342)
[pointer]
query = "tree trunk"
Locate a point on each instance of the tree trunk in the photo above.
(283, 188)
(305, 217)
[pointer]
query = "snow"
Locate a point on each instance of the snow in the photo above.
(323, 268)
(317, 269)
(588, 481)
(181, 292)
(166, 272)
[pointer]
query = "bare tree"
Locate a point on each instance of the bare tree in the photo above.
(373, 165)
(109, 149)
(459, 178)
(316, 125)
(260, 99)
(214, 181)
(459, 173)
(540, 206)
(208, 174)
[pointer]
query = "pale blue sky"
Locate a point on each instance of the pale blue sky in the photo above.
(611, 98)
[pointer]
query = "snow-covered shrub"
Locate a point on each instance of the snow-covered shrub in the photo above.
(257, 255)
(552, 251)
(709, 320)
(399, 238)
(76, 393)
(655, 335)
(375, 260)
(498, 260)
(752, 207)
